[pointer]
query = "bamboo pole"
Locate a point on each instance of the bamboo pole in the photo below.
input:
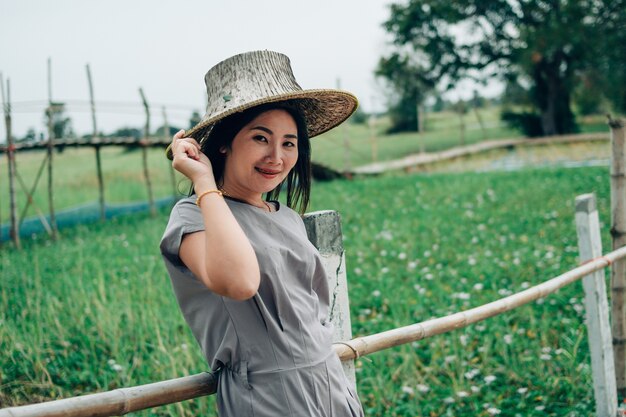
(166, 135)
(50, 149)
(126, 400)
(373, 137)
(144, 153)
(6, 101)
(475, 104)
(618, 234)
(347, 157)
(461, 111)
(596, 308)
(94, 138)
(361, 346)
(121, 401)
(29, 201)
(419, 108)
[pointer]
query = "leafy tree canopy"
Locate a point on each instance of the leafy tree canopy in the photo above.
(544, 45)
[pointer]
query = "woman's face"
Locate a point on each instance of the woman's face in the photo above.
(262, 154)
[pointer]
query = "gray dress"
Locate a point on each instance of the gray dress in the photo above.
(273, 352)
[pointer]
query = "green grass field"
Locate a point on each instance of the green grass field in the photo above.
(95, 311)
(75, 182)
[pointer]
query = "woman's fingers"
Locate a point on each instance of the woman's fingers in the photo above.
(185, 146)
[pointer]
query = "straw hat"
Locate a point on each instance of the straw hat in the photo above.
(253, 78)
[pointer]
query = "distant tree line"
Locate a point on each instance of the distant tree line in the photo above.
(551, 55)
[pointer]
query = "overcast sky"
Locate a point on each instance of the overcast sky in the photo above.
(166, 47)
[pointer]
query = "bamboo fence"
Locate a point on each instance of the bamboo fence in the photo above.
(126, 400)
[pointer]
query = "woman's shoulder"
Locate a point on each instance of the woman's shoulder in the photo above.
(185, 211)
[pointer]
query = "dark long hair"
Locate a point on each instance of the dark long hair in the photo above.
(298, 180)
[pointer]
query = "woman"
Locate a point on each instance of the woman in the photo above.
(249, 283)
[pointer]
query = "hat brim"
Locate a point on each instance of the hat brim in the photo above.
(322, 110)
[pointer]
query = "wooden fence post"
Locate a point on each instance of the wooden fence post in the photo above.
(50, 148)
(144, 153)
(6, 100)
(597, 310)
(618, 234)
(94, 138)
(324, 231)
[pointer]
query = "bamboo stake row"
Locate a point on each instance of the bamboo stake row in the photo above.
(50, 149)
(94, 137)
(144, 153)
(126, 400)
(6, 100)
(96, 142)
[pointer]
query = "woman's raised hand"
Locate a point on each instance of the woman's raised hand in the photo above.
(188, 158)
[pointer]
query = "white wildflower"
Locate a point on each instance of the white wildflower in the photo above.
(471, 373)
(493, 411)
(407, 390)
(423, 388)
(489, 379)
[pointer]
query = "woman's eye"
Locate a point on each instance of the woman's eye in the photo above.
(260, 138)
(289, 144)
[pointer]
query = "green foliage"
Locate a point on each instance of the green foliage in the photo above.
(359, 116)
(132, 132)
(95, 311)
(546, 44)
(409, 87)
(194, 119)
(527, 122)
(61, 124)
(171, 131)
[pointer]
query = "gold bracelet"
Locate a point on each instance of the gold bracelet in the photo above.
(205, 193)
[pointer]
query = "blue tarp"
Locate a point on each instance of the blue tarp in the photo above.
(88, 213)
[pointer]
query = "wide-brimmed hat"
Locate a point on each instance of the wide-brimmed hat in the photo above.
(254, 78)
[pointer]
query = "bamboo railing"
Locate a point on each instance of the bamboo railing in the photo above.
(126, 400)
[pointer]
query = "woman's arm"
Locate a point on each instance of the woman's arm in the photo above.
(221, 256)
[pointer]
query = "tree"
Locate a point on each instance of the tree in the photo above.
(409, 88)
(195, 119)
(544, 44)
(61, 124)
(29, 137)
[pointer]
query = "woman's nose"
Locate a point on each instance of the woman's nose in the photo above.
(273, 154)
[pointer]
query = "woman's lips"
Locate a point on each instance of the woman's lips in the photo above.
(267, 173)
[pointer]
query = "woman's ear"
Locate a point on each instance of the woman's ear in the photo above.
(222, 149)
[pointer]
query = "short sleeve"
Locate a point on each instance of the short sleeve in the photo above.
(185, 218)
